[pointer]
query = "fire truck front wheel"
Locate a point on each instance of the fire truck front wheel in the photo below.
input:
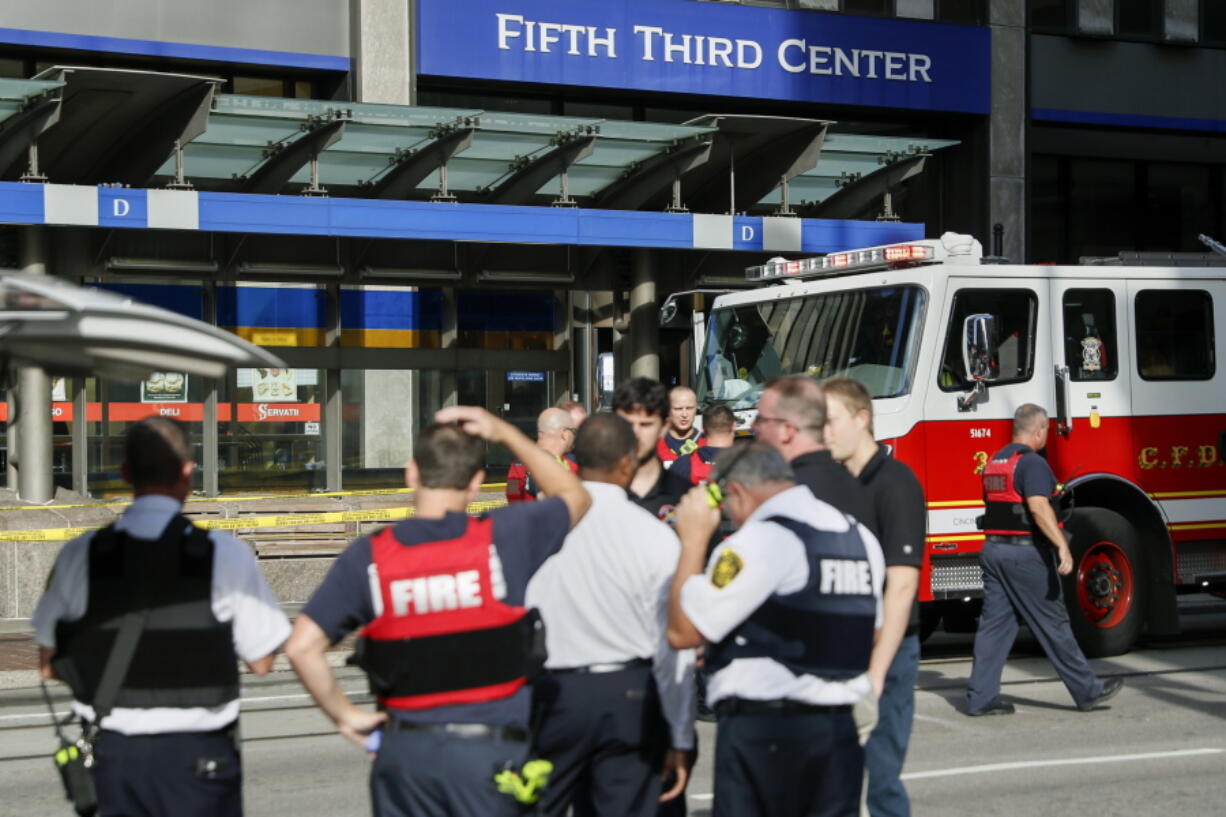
(1105, 593)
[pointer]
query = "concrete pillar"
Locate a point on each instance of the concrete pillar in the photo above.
(1181, 20)
(1007, 127)
(389, 417)
(1096, 17)
(585, 354)
(916, 9)
(34, 483)
(644, 317)
(382, 51)
(210, 442)
(449, 339)
(333, 414)
(14, 436)
(80, 437)
(819, 5)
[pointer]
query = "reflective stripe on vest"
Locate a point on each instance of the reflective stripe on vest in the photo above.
(184, 657)
(1005, 513)
(440, 637)
(825, 629)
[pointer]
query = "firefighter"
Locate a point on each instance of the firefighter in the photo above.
(555, 432)
(1024, 550)
(445, 635)
(680, 438)
(719, 429)
(195, 602)
(789, 607)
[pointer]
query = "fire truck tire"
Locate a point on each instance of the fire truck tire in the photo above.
(1106, 592)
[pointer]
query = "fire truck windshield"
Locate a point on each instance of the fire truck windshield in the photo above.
(870, 334)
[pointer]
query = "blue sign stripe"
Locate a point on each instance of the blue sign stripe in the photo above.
(1128, 120)
(21, 203)
(187, 51)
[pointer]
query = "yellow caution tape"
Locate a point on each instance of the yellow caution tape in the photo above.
(250, 522)
(120, 504)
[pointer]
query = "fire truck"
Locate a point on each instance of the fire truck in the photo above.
(1123, 356)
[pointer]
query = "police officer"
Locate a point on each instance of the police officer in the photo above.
(555, 432)
(168, 745)
(900, 518)
(445, 635)
(1024, 550)
(719, 429)
(604, 601)
(789, 606)
(792, 419)
(643, 403)
(680, 438)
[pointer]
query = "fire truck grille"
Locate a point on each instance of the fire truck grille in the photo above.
(956, 574)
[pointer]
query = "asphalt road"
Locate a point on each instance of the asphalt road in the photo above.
(1160, 747)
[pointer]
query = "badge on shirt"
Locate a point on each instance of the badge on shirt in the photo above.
(727, 566)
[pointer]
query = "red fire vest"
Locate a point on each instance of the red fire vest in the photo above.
(440, 636)
(1006, 513)
(667, 453)
(702, 463)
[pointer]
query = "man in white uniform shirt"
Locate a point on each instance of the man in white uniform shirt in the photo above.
(789, 607)
(611, 673)
(169, 745)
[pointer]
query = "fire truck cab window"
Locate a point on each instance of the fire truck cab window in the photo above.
(1089, 334)
(1015, 326)
(1175, 334)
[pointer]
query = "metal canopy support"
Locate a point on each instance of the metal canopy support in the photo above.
(34, 482)
(283, 160)
(19, 133)
(119, 126)
(860, 195)
(529, 175)
(412, 166)
(646, 182)
(763, 150)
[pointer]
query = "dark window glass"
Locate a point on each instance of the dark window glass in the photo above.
(1048, 212)
(1175, 334)
(1102, 204)
(1180, 207)
(12, 68)
(303, 89)
(1139, 18)
(1089, 334)
(1014, 310)
(1056, 15)
(259, 86)
(960, 11)
(1213, 21)
(877, 8)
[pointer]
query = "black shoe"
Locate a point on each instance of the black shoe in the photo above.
(1109, 691)
(997, 707)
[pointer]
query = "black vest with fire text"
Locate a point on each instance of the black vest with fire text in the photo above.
(825, 629)
(440, 637)
(184, 657)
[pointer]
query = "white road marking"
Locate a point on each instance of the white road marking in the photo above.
(1072, 761)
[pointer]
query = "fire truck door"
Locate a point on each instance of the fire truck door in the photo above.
(959, 442)
(1091, 349)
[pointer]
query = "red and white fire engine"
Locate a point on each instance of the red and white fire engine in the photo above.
(1124, 358)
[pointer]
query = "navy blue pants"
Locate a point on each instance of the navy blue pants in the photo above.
(187, 774)
(606, 737)
(1021, 581)
(788, 765)
(430, 774)
(886, 749)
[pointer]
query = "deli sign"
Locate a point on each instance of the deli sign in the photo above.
(711, 48)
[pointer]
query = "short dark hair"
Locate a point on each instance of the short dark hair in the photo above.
(155, 450)
(447, 457)
(603, 441)
(642, 394)
(800, 401)
(719, 419)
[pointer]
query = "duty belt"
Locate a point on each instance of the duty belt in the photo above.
(600, 669)
(485, 731)
(780, 706)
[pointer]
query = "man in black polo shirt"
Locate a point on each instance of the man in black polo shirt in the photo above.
(792, 420)
(643, 403)
(900, 520)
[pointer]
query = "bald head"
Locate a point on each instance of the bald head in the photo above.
(555, 431)
(682, 409)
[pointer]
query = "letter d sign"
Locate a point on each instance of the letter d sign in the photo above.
(747, 232)
(120, 207)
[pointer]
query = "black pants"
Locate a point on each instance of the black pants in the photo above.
(185, 774)
(605, 735)
(430, 774)
(788, 765)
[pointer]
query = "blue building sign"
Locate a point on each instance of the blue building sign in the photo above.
(689, 47)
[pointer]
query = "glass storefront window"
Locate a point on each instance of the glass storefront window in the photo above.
(391, 317)
(1139, 18)
(1180, 205)
(1051, 15)
(274, 313)
(506, 320)
(270, 424)
(379, 425)
(1102, 201)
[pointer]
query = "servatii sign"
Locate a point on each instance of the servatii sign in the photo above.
(691, 47)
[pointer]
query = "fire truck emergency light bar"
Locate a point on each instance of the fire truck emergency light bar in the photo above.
(841, 263)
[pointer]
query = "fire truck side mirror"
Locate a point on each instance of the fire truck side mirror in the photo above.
(980, 355)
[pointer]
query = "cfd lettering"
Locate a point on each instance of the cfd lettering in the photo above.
(436, 594)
